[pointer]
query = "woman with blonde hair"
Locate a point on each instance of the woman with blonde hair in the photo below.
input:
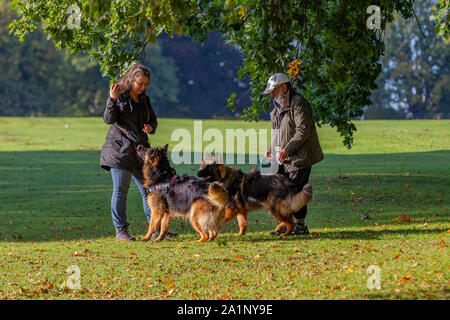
(130, 114)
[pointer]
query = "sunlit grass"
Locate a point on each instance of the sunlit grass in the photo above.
(55, 212)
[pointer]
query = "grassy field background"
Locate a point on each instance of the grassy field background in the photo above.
(55, 213)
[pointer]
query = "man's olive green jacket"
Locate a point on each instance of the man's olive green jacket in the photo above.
(297, 133)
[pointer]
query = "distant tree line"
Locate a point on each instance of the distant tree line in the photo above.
(415, 79)
(189, 79)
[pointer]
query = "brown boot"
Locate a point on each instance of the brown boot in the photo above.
(123, 235)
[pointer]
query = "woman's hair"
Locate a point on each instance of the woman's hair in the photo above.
(135, 71)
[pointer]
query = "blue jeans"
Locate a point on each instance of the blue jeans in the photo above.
(121, 182)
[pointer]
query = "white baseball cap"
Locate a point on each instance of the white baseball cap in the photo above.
(276, 80)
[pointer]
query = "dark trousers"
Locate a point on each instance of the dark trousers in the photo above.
(300, 178)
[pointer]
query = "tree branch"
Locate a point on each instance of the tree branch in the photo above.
(418, 23)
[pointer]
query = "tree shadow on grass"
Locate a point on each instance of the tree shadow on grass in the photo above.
(56, 195)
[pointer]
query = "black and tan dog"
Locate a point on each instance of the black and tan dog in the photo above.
(169, 196)
(253, 191)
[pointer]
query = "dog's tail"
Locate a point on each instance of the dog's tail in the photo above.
(300, 199)
(217, 195)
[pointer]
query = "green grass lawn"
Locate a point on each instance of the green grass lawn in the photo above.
(55, 213)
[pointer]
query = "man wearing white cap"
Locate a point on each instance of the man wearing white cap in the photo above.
(297, 139)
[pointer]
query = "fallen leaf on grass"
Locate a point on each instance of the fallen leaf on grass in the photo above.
(402, 218)
(406, 278)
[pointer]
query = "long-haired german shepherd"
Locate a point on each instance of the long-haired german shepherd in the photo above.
(172, 196)
(253, 191)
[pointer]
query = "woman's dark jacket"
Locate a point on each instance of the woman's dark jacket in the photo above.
(119, 150)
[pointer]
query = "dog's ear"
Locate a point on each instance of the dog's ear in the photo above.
(165, 148)
(218, 158)
(206, 156)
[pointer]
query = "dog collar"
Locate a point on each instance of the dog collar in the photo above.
(161, 186)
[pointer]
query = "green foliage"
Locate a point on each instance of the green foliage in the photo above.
(115, 33)
(442, 16)
(340, 54)
(50, 83)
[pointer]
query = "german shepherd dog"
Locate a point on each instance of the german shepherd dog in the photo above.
(253, 191)
(169, 196)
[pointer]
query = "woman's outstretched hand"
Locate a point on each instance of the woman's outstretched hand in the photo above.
(114, 91)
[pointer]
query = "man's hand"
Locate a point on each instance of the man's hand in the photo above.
(282, 155)
(147, 128)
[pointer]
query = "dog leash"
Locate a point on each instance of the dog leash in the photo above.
(140, 149)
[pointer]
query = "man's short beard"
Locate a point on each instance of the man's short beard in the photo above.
(282, 98)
